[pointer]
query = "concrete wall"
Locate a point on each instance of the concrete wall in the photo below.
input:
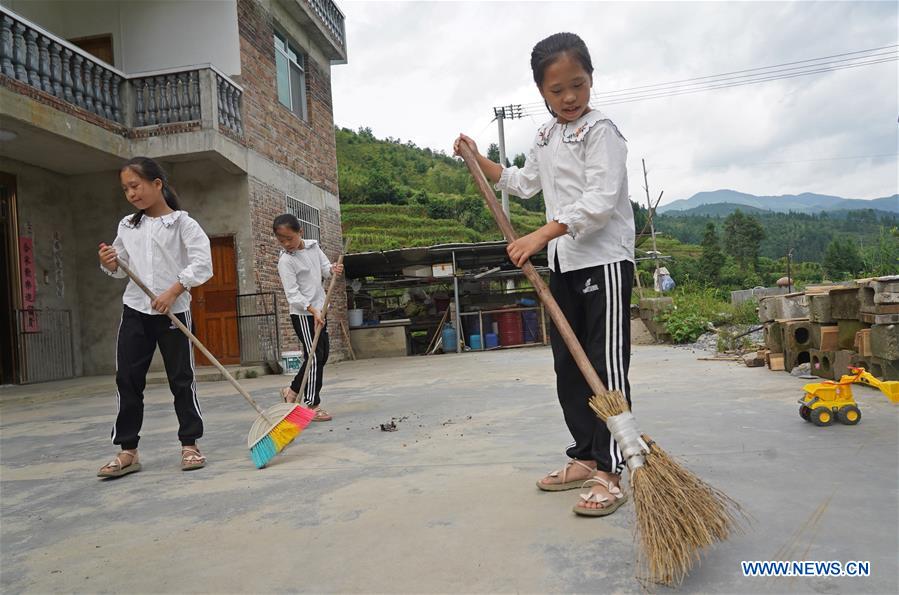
(82, 211)
(195, 31)
(216, 199)
(46, 215)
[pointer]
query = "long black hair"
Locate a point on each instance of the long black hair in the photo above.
(548, 51)
(149, 170)
(287, 220)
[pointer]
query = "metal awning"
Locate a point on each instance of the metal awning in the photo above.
(389, 264)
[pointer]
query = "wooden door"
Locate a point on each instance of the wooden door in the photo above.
(99, 46)
(9, 283)
(215, 306)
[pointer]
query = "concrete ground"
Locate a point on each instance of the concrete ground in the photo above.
(447, 503)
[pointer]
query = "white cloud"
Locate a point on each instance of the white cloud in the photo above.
(425, 71)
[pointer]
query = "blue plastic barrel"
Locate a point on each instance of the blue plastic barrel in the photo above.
(449, 338)
(474, 341)
(491, 340)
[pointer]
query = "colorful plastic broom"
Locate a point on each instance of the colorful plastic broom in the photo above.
(276, 427)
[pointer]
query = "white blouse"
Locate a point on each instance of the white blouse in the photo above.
(581, 167)
(161, 251)
(301, 274)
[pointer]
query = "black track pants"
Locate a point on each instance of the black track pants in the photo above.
(596, 302)
(139, 334)
(305, 329)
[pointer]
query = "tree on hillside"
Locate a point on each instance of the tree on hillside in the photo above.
(641, 214)
(712, 258)
(743, 234)
(380, 189)
(881, 257)
(493, 154)
(519, 160)
(842, 260)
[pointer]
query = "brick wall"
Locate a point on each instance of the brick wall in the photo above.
(305, 147)
(266, 203)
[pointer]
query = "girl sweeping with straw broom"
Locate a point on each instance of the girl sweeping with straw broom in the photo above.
(678, 515)
(170, 252)
(579, 161)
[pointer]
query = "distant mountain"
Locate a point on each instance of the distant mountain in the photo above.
(799, 203)
(719, 209)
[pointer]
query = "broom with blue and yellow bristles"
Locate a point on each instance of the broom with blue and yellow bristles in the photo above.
(276, 427)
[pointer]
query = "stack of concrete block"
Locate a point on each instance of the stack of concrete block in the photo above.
(879, 308)
(834, 327)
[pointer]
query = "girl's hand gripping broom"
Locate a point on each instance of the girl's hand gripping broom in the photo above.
(677, 513)
(276, 427)
(324, 314)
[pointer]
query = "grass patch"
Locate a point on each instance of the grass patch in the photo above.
(697, 310)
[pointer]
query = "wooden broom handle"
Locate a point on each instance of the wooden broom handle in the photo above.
(549, 302)
(196, 342)
(318, 331)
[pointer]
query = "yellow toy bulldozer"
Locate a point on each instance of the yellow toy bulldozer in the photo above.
(824, 401)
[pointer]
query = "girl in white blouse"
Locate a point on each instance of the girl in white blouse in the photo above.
(302, 265)
(170, 253)
(579, 160)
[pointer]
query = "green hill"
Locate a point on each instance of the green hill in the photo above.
(397, 195)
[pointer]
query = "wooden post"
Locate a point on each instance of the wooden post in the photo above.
(349, 342)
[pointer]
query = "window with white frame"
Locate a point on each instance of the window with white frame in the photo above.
(308, 216)
(291, 68)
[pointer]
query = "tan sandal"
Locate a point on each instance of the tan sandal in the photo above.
(191, 458)
(321, 415)
(564, 483)
(619, 498)
(285, 395)
(117, 466)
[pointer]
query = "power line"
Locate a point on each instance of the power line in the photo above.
(674, 92)
(727, 75)
(760, 75)
(792, 161)
(539, 109)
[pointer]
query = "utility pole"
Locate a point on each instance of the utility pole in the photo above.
(652, 225)
(502, 158)
(501, 113)
(789, 273)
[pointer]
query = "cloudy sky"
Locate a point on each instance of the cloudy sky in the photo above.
(425, 71)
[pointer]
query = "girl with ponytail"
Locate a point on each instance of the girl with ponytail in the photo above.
(578, 160)
(169, 252)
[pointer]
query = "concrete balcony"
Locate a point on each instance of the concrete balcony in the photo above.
(51, 89)
(325, 22)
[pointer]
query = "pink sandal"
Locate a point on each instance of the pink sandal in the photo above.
(608, 507)
(564, 484)
(117, 466)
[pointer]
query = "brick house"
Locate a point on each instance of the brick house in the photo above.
(233, 97)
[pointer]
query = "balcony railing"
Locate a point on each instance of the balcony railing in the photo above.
(44, 62)
(332, 18)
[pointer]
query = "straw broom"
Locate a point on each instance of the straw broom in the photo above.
(677, 513)
(275, 427)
